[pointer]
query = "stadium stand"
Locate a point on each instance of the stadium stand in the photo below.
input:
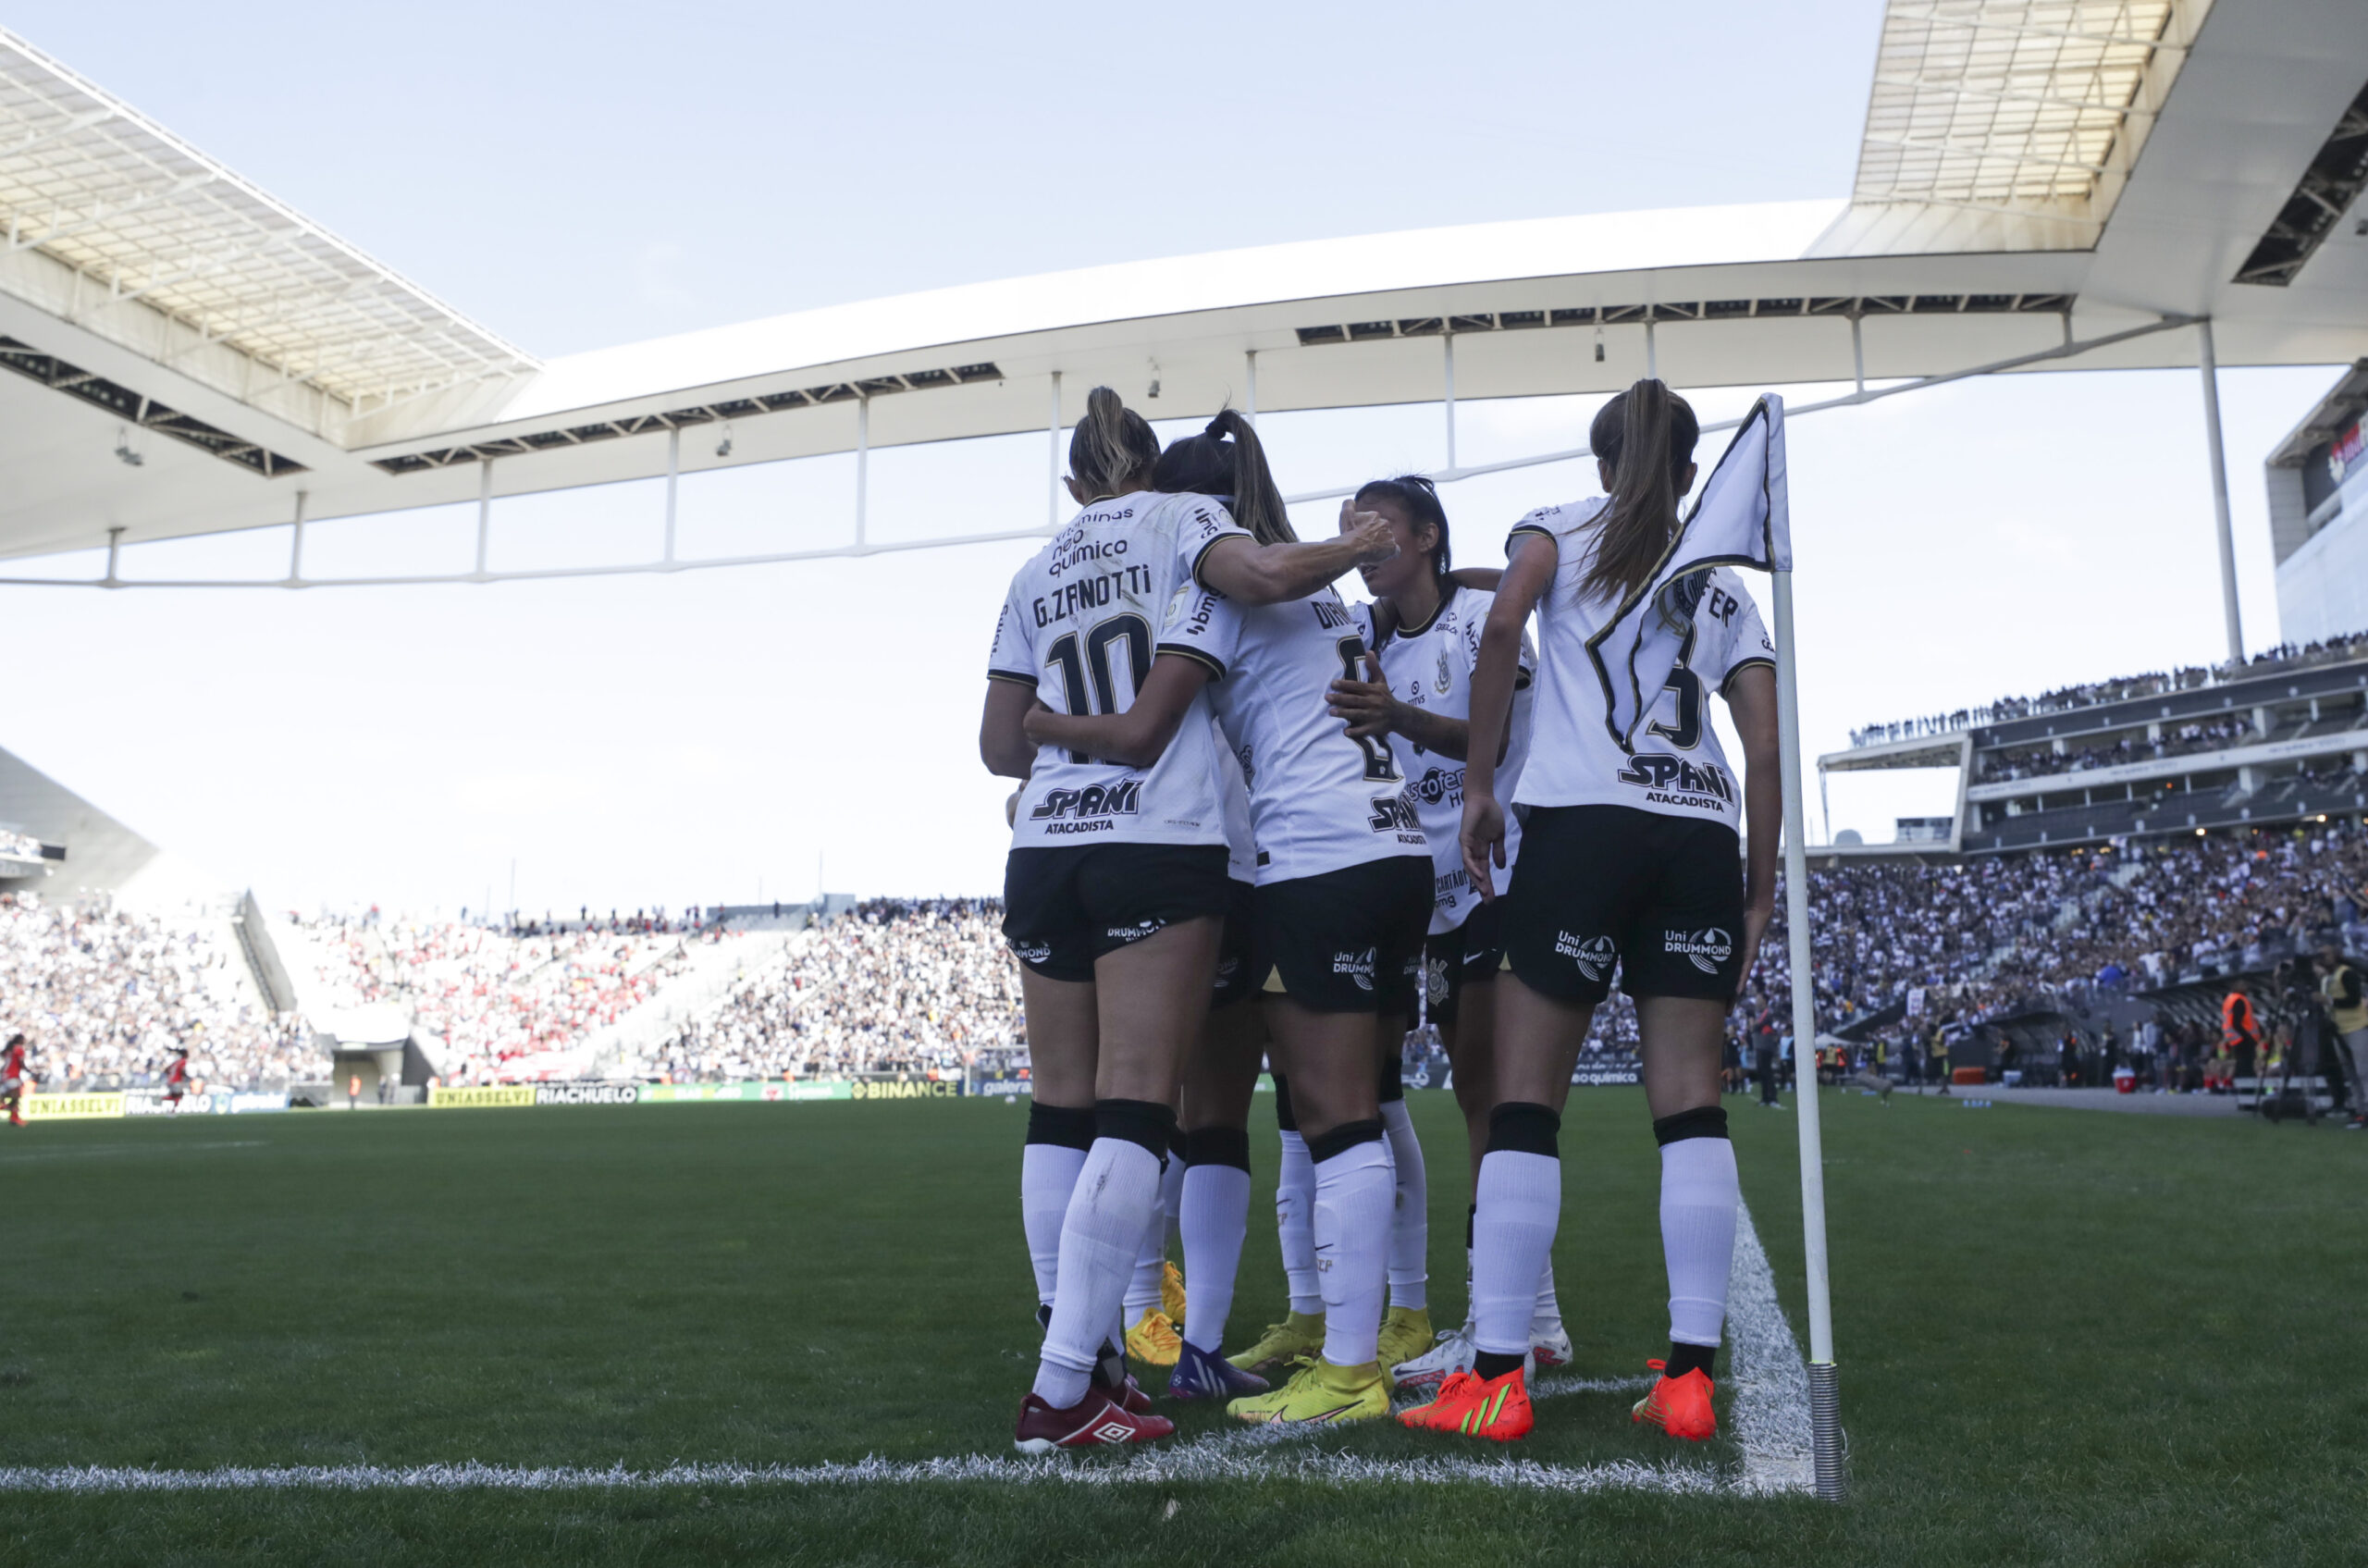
(2285, 656)
(106, 994)
(2283, 738)
(495, 1000)
(892, 986)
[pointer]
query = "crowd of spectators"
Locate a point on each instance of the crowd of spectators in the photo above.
(503, 1004)
(922, 985)
(2003, 935)
(106, 998)
(2184, 740)
(2284, 655)
(929, 986)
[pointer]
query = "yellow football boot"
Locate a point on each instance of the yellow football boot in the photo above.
(1153, 1339)
(1171, 1292)
(1320, 1391)
(1300, 1334)
(1405, 1334)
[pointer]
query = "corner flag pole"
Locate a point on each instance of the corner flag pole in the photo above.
(1825, 1419)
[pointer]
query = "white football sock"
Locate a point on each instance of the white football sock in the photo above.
(1047, 1177)
(1353, 1196)
(1546, 1316)
(1294, 1215)
(1216, 1220)
(1116, 1198)
(1699, 1195)
(1410, 1221)
(1520, 1203)
(1142, 1285)
(1171, 1203)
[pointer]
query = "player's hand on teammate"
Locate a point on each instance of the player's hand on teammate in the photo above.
(1366, 706)
(1483, 841)
(1369, 533)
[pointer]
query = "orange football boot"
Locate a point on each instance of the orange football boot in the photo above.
(1680, 1406)
(1496, 1408)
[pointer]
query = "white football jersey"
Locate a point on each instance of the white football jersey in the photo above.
(1233, 796)
(1080, 628)
(1679, 769)
(1430, 666)
(1318, 800)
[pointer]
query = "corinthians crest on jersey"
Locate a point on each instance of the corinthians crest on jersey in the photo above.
(1429, 666)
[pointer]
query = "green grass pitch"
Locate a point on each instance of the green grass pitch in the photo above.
(2066, 1336)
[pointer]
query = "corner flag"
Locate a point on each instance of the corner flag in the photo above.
(1741, 518)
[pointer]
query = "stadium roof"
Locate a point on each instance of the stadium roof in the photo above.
(2034, 173)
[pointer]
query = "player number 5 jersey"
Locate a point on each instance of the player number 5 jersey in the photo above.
(1080, 628)
(1679, 769)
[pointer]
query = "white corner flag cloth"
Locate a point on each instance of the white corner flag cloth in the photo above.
(1740, 519)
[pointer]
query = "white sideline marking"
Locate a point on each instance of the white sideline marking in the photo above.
(1769, 1416)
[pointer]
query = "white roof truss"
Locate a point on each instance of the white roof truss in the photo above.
(2024, 108)
(135, 235)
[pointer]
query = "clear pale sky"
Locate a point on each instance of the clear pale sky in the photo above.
(593, 174)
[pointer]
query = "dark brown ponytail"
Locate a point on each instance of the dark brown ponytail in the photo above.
(1645, 436)
(1226, 460)
(1113, 448)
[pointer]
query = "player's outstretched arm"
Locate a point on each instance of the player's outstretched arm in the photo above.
(1004, 744)
(1526, 578)
(1139, 736)
(1751, 698)
(1249, 573)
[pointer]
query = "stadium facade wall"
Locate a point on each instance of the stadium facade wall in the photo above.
(2322, 586)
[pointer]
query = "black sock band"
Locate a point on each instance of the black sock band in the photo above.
(1067, 1127)
(1177, 1147)
(1702, 1121)
(1217, 1145)
(1471, 1218)
(1685, 1358)
(1520, 1126)
(1285, 1117)
(1490, 1366)
(1392, 1083)
(1342, 1139)
(1144, 1123)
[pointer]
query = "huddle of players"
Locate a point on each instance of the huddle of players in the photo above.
(1253, 821)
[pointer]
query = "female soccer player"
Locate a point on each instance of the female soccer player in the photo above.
(1219, 1082)
(1626, 859)
(1425, 626)
(1114, 886)
(1344, 895)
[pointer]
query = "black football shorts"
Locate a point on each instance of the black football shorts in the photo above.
(1237, 981)
(1599, 886)
(1064, 907)
(1349, 941)
(1470, 954)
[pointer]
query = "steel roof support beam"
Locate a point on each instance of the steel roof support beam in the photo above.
(2208, 361)
(862, 546)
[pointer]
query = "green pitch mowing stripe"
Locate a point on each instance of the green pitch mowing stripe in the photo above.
(2065, 1339)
